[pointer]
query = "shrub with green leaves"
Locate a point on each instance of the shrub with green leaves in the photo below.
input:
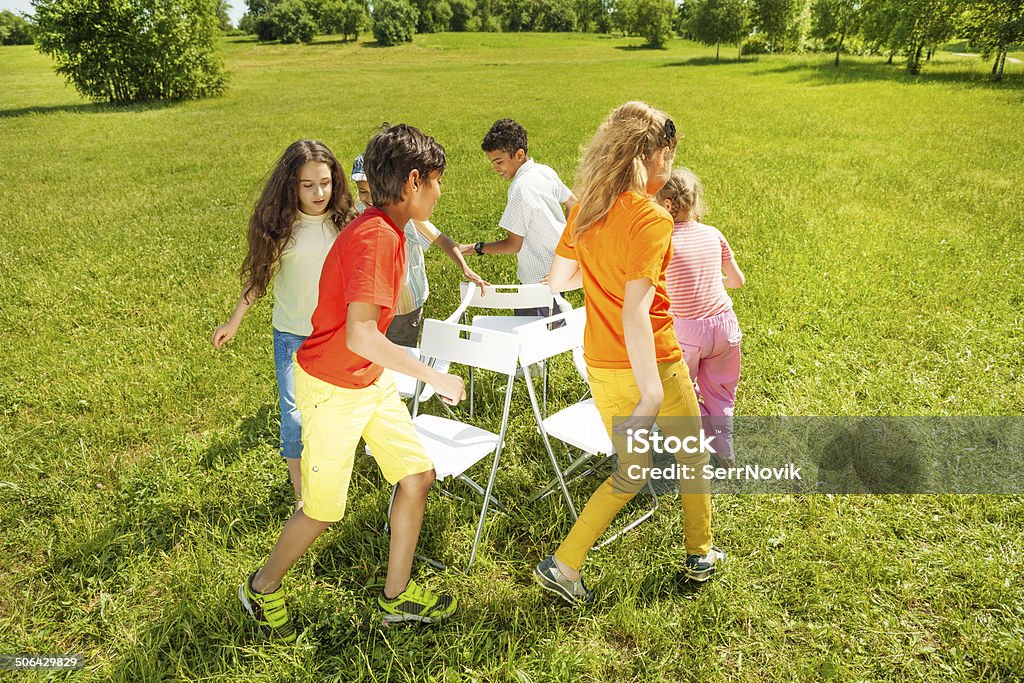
(292, 22)
(125, 51)
(654, 18)
(394, 22)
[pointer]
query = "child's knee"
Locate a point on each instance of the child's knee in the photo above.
(418, 484)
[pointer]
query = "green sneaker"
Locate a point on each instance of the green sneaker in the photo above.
(416, 604)
(268, 610)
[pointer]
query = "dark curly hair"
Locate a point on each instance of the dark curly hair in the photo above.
(273, 217)
(505, 135)
(394, 153)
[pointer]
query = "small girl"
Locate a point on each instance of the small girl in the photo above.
(617, 245)
(705, 324)
(305, 204)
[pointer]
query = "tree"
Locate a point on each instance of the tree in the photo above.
(434, 15)
(654, 17)
(835, 20)
(623, 17)
(992, 26)
(877, 21)
(223, 15)
(291, 22)
(713, 22)
(773, 18)
(354, 18)
(922, 24)
(14, 29)
(462, 14)
(127, 51)
(394, 21)
(553, 16)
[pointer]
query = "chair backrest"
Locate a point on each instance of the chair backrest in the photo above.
(537, 342)
(507, 296)
(471, 346)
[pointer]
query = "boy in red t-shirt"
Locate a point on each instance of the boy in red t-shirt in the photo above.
(344, 389)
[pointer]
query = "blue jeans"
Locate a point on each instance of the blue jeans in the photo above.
(285, 346)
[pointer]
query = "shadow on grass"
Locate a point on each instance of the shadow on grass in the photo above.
(84, 108)
(253, 430)
(861, 72)
(711, 61)
(639, 48)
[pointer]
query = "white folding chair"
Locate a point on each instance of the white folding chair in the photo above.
(406, 384)
(501, 297)
(580, 425)
(455, 446)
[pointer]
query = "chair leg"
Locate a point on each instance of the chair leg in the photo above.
(472, 385)
(547, 443)
(635, 523)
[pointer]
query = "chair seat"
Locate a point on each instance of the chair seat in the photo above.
(503, 323)
(581, 426)
(453, 446)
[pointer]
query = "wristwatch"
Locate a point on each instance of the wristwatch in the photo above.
(479, 248)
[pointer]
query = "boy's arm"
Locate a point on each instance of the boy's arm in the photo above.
(636, 327)
(453, 251)
(510, 245)
(364, 339)
(734, 278)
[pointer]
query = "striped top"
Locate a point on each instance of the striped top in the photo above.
(694, 276)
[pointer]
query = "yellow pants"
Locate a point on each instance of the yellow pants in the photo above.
(333, 420)
(616, 395)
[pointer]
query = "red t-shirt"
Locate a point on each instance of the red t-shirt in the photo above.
(365, 265)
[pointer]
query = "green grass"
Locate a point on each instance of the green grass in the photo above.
(877, 216)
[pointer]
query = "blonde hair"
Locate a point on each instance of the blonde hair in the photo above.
(614, 162)
(685, 192)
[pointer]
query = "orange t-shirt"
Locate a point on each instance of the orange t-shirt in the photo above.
(365, 265)
(633, 241)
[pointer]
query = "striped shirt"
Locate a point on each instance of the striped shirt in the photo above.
(534, 212)
(694, 276)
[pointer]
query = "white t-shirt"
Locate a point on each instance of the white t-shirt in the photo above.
(534, 212)
(297, 283)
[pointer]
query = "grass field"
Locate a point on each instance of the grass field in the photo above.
(878, 218)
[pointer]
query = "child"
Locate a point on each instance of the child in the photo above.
(419, 236)
(345, 390)
(533, 215)
(705, 323)
(617, 245)
(304, 205)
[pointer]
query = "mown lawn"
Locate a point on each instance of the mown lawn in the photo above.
(878, 218)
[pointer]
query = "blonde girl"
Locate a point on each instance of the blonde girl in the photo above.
(304, 205)
(705, 323)
(617, 246)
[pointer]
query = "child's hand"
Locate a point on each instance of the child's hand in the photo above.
(223, 334)
(546, 279)
(451, 388)
(468, 273)
(643, 416)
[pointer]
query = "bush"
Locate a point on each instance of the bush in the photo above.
(347, 17)
(554, 16)
(756, 44)
(394, 21)
(654, 21)
(127, 51)
(462, 15)
(14, 29)
(247, 24)
(293, 22)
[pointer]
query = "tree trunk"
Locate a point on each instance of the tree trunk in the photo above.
(1002, 66)
(995, 64)
(914, 64)
(891, 54)
(718, 51)
(842, 37)
(931, 51)
(739, 56)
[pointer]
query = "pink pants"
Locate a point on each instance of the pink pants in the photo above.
(711, 350)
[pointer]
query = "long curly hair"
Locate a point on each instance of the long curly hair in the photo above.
(276, 210)
(614, 162)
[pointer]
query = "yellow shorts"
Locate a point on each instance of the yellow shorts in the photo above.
(333, 420)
